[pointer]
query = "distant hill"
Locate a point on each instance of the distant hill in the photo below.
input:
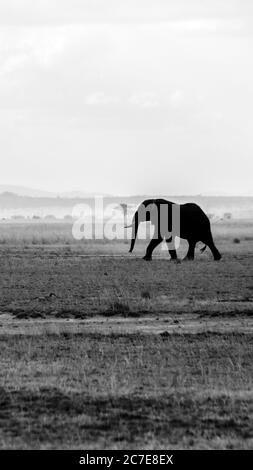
(12, 204)
(80, 194)
(24, 191)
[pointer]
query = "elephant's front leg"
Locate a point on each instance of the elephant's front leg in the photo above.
(171, 248)
(152, 245)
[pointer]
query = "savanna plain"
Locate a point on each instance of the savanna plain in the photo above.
(100, 349)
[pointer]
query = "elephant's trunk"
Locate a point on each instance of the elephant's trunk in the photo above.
(135, 226)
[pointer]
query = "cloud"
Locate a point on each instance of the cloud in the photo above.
(14, 63)
(88, 84)
(176, 98)
(100, 98)
(24, 47)
(118, 11)
(142, 75)
(145, 100)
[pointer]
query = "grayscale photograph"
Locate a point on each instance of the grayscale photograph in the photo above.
(126, 229)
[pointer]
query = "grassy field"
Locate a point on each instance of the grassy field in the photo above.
(100, 349)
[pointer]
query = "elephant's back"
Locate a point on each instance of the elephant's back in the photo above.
(192, 209)
(192, 219)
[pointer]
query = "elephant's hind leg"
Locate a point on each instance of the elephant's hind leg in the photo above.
(191, 251)
(214, 250)
(152, 245)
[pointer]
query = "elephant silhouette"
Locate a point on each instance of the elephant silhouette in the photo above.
(187, 221)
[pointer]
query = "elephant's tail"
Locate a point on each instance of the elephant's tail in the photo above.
(203, 248)
(128, 226)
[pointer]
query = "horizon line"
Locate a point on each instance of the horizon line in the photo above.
(64, 195)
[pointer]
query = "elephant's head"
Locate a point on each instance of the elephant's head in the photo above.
(143, 214)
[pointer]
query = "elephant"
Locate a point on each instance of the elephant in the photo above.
(187, 221)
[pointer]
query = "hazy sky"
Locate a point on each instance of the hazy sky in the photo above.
(127, 96)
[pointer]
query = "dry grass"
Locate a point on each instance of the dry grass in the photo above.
(103, 352)
(60, 233)
(126, 391)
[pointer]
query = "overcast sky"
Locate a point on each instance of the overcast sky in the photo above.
(127, 96)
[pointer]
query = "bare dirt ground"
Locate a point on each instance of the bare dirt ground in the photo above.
(114, 352)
